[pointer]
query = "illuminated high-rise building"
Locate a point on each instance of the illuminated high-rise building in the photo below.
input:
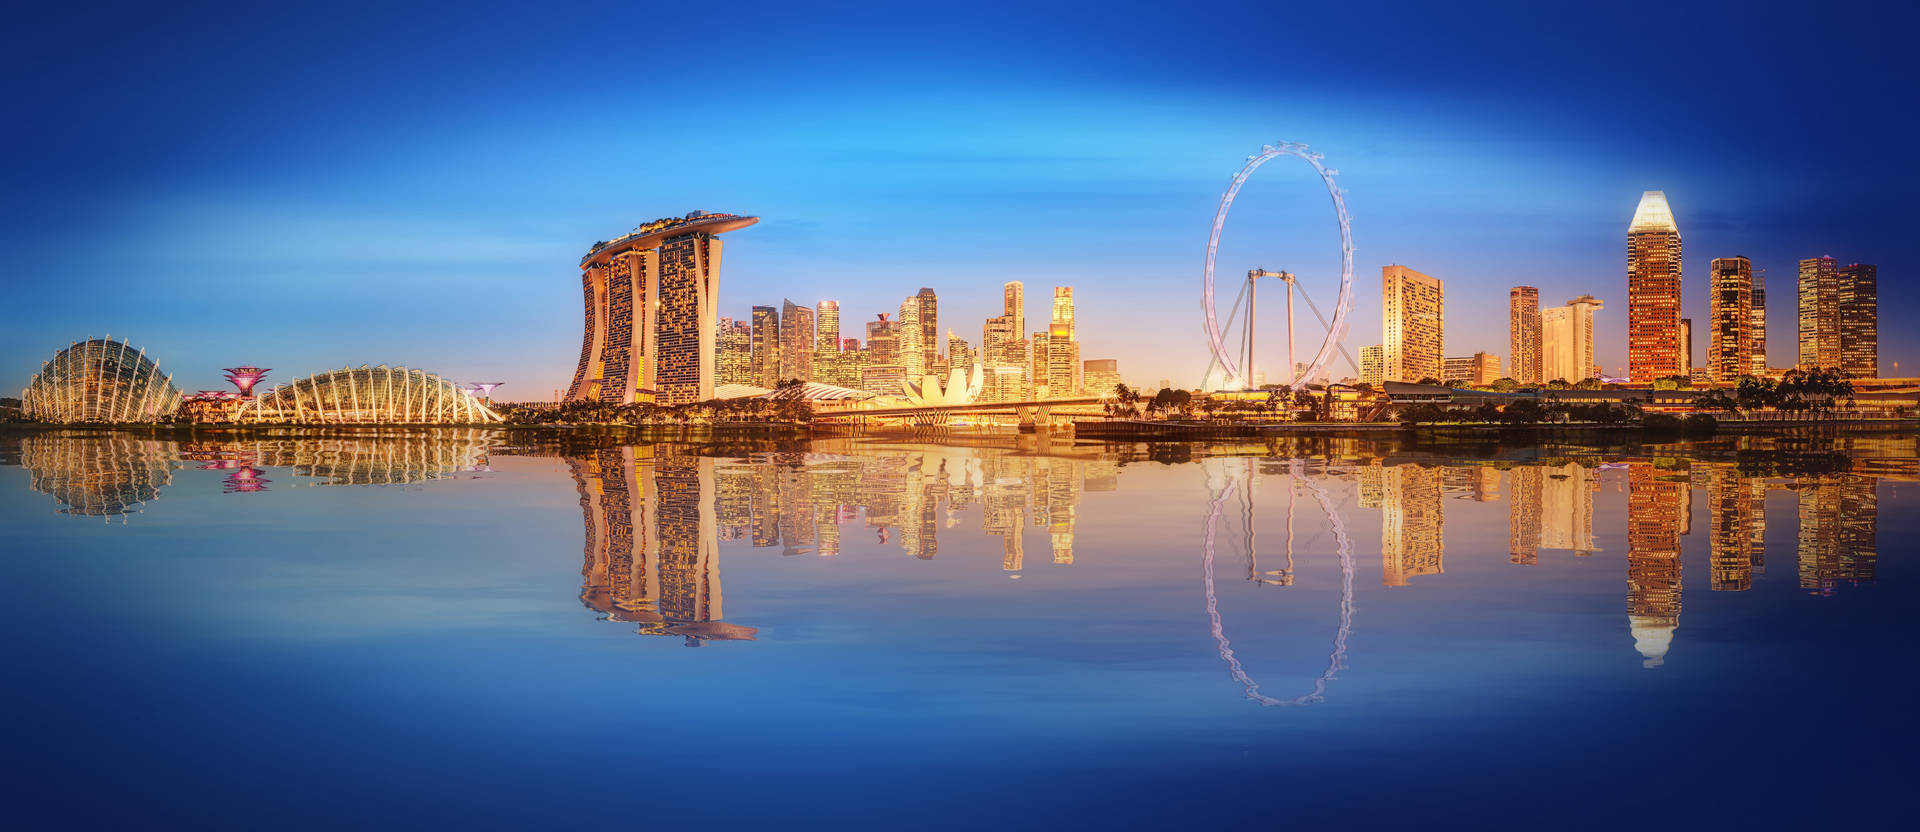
(1686, 347)
(1523, 334)
(826, 346)
(1839, 524)
(766, 346)
(1566, 340)
(918, 330)
(1859, 302)
(882, 373)
(651, 312)
(1003, 359)
(929, 304)
(1759, 328)
(1653, 291)
(960, 352)
(1733, 513)
(1819, 313)
(796, 342)
(1373, 364)
(1730, 319)
(735, 358)
(1063, 350)
(1412, 319)
(1013, 298)
(1040, 346)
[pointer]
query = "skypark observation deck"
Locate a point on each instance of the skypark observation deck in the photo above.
(650, 235)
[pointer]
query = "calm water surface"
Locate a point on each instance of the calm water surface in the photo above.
(492, 629)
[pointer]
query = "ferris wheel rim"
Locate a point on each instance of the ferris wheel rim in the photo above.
(1215, 336)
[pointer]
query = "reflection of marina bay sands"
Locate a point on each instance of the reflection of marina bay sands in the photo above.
(656, 517)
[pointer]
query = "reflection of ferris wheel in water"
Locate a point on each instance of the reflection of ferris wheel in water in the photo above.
(1233, 355)
(1225, 476)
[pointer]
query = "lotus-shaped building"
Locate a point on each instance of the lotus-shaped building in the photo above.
(98, 380)
(962, 388)
(380, 395)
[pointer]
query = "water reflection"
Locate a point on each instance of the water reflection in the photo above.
(656, 516)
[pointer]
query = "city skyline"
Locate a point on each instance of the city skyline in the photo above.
(852, 206)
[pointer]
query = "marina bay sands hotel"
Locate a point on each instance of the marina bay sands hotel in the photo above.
(652, 307)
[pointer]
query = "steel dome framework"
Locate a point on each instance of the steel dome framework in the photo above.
(366, 395)
(99, 380)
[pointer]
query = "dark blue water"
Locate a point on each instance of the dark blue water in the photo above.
(464, 629)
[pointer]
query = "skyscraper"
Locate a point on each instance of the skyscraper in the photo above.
(826, 343)
(796, 342)
(1063, 351)
(1523, 334)
(1412, 320)
(1566, 340)
(1042, 344)
(1014, 299)
(1686, 347)
(1819, 313)
(735, 358)
(1653, 290)
(766, 346)
(651, 312)
(1859, 289)
(1101, 376)
(882, 374)
(1759, 329)
(1730, 302)
(960, 352)
(929, 325)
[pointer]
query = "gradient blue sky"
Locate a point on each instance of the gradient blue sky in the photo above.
(306, 187)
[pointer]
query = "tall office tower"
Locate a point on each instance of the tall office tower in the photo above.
(1759, 327)
(826, 343)
(1653, 291)
(1859, 288)
(651, 312)
(1566, 340)
(1101, 376)
(1654, 504)
(1412, 320)
(766, 346)
(1819, 313)
(960, 353)
(1013, 296)
(1686, 347)
(1062, 324)
(1730, 319)
(1373, 364)
(911, 342)
(1523, 334)
(929, 305)
(796, 342)
(1412, 522)
(1037, 364)
(1063, 350)
(1003, 358)
(735, 358)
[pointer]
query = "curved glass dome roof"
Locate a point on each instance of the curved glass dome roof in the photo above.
(380, 395)
(99, 380)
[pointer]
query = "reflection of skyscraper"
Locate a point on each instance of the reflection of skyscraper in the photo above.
(1653, 559)
(1523, 514)
(651, 542)
(1839, 521)
(1566, 509)
(1412, 521)
(1733, 513)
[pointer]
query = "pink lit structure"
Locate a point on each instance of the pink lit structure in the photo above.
(245, 378)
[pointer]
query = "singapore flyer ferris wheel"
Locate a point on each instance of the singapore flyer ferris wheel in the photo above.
(1233, 352)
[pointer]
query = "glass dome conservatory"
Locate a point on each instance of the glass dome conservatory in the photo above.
(99, 380)
(369, 396)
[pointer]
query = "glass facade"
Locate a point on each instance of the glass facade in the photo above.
(369, 396)
(98, 380)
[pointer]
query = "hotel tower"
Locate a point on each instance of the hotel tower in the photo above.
(651, 309)
(1654, 348)
(1412, 321)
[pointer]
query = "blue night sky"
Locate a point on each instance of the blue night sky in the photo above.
(302, 187)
